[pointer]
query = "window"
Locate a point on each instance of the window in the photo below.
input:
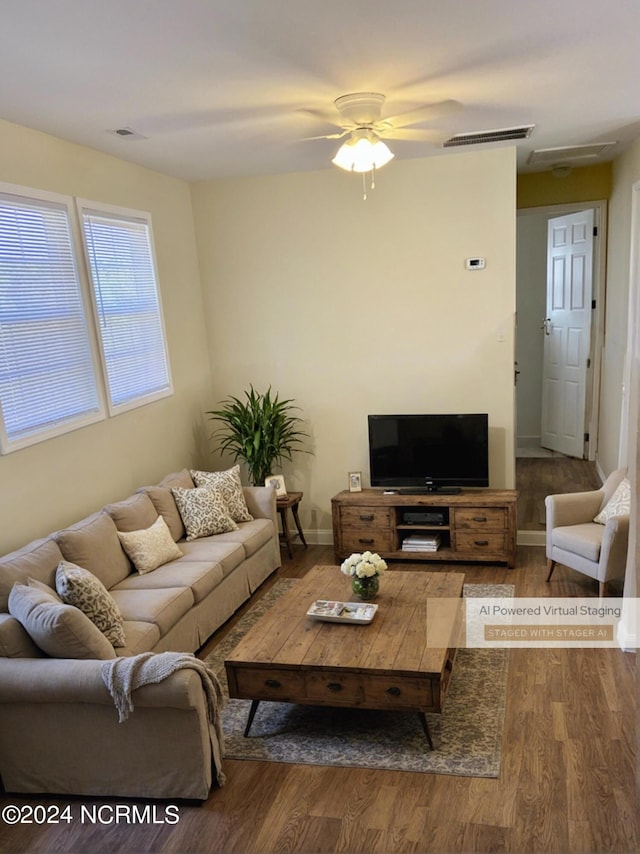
(123, 278)
(47, 374)
(59, 360)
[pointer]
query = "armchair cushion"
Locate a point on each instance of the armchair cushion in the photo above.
(584, 540)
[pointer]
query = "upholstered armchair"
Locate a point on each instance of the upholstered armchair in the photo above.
(574, 539)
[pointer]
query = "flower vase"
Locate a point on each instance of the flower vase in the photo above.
(366, 588)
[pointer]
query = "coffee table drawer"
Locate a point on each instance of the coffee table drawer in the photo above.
(372, 692)
(271, 684)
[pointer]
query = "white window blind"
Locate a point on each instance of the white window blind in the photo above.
(122, 269)
(47, 377)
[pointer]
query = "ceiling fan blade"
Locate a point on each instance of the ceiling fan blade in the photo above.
(326, 136)
(325, 116)
(413, 134)
(422, 114)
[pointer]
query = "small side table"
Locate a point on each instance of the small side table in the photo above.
(290, 502)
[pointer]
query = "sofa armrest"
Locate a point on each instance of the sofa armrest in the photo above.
(261, 502)
(60, 734)
(47, 680)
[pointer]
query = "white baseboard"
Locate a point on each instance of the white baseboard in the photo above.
(528, 441)
(532, 538)
(322, 537)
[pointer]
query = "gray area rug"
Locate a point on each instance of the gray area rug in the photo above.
(467, 736)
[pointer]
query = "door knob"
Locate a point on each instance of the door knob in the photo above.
(546, 325)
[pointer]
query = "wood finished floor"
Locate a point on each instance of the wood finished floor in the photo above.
(566, 785)
(538, 477)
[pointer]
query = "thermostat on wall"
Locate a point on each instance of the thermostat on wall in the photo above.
(474, 263)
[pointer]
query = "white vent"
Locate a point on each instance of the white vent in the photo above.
(570, 152)
(480, 137)
(127, 133)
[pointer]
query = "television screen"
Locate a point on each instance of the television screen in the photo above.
(429, 451)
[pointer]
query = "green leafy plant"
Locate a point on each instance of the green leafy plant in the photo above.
(260, 430)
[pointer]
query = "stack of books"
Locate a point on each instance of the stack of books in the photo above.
(421, 543)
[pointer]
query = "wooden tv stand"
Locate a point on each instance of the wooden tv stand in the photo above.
(476, 525)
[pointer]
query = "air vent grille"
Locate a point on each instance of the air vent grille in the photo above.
(127, 133)
(479, 137)
(570, 152)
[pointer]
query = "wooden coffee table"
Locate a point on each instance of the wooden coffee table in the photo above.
(402, 660)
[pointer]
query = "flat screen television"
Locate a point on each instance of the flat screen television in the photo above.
(429, 453)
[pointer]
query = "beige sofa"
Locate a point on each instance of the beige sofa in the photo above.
(59, 730)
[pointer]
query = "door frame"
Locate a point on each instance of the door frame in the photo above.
(599, 207)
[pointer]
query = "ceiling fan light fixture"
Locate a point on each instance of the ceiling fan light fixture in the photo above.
(363, 154)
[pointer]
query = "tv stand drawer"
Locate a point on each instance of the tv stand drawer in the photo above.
(480, 541)
(366, 517)
(480, 518)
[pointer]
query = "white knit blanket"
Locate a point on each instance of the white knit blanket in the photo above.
(123, 675)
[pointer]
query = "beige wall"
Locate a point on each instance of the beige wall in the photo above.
(58, 481)
(626, 171)
(355, 307)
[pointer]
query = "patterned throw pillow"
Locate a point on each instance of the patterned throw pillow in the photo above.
(150, 547)
(81, 588)
(203, 512)
(229, 484)
(618, 505)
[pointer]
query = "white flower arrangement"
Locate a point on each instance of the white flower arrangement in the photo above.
(364, 565)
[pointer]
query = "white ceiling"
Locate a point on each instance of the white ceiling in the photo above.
(220, 87)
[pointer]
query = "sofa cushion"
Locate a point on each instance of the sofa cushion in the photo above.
(79, 587)
(60, 630)
(163, 606)
(200, 576)
(151, 547)
(38, 559)
(227, 555)
(134, 513)
(203, 512)
(618, 505)
(584, 540)
(93, 544)
(14, 640)
(140, 637)
(165, 503)
(252, 535)
(229, 485)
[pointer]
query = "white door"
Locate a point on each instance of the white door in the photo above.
(567, 328)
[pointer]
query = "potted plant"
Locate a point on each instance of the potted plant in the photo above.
(261, 431)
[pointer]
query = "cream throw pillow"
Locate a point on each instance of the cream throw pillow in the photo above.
(203, 512)
(79, 587)
(59, 630)
(618, 505)
(150, 547)
(228, 483)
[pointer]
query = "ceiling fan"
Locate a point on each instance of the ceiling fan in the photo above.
(361, 120)
(362, 112)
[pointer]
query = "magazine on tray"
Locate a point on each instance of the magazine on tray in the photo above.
(342, 612)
